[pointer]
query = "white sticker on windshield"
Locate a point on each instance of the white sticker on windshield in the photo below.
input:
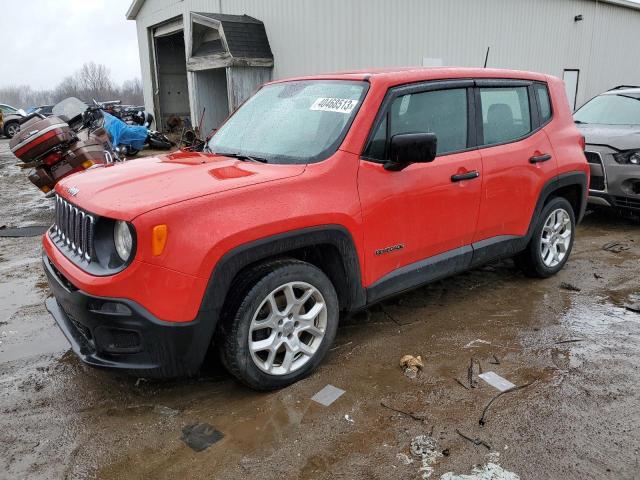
(340, 105)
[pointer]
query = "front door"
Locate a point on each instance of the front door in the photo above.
(427, 209)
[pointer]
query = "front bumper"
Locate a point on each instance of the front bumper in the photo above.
(121, 334)
(612, 184)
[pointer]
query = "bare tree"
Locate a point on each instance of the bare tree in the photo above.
(131, 92)
(91, 81)
(95, 80)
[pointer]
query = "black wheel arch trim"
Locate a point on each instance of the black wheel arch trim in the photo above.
(280, 245)
(567, 179)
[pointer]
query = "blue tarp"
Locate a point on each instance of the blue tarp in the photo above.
(123, 134)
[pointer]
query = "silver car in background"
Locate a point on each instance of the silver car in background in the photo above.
(610, 124)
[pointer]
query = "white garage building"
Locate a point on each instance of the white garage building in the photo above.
(209, 55)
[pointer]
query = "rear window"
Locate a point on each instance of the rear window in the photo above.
(505, 114)
(544, 103)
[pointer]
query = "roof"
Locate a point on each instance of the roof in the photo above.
(622, 91)
(398, 76)
(245, 36)
(136, 5)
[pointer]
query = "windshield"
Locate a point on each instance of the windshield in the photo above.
(291, 122)
(618, 109)
(69, 108)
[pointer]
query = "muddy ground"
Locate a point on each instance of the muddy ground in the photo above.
(578, 419)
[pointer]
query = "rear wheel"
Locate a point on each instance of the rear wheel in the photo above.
(551, 242)
(279, 330)
(11, 128)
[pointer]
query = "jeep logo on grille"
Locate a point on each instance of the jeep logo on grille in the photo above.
(73, 191)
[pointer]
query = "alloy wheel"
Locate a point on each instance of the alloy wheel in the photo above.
(287, 328)
(556, 237)
(12, 129)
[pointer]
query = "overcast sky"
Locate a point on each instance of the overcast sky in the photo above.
(45, 40)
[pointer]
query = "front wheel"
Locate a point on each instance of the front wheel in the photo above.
(280, 329)
(11, 129)
(551, 242)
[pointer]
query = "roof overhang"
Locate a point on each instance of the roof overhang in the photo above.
(134, 8)
(623, 3)
(136, 5)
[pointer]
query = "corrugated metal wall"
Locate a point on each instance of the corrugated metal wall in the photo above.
(311, 36)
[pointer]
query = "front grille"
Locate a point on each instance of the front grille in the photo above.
(597, 181)
(627, 202)
(73, 230)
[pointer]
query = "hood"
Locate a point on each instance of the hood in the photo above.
(620, 137)
(128, 189)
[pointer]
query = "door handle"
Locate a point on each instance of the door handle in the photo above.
(540, 158)
(465, 176)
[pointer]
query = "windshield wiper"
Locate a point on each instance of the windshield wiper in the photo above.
(241, 156)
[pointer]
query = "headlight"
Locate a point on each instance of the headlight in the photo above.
(123, 239)
(628, 157)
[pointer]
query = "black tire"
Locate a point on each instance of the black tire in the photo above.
(159, 142)
(130, 151)
(10, 129)
(246, 296)
(530, 261)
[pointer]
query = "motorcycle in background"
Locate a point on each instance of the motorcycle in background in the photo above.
(129, 137)
(73, 139)
(77, 137)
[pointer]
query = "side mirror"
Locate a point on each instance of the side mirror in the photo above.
(408, 148)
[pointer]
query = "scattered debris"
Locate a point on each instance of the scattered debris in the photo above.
(426, 449)
(490, 471)
(169, 412)
(404, 458)
(340, 346)
(461, 384)
(349, 419)
(475, 441)
(497, 381)
(495, 360)
(327, 395)
(200, 436)
(597, 276)
(415, 416)
(615, 247)
(569, 287)
(482, 420)
(633, 307)
(31, 231)
(473, 372)
(573, 340)
(472, 343)
(140, 380)
(411, 365)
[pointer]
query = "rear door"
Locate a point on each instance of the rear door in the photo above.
(517, 158)
(426, 209)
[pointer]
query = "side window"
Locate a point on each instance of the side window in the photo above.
(505, 114)
(443, 112)
(378, 144)
(544, 102)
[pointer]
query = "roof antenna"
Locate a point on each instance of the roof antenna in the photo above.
(486, 57)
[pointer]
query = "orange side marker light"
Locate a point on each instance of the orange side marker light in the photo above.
(158, 239)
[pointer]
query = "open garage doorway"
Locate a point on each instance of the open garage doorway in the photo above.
(212, 100)
(172, 91)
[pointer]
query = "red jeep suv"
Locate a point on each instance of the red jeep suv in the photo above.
(320, 195)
